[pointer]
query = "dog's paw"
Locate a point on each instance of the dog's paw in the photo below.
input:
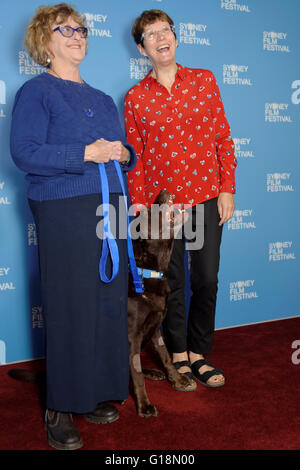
(154, 374)
(184, 384)
(147, 410)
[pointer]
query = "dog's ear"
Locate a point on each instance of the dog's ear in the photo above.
(159, 221)
(159, 216)
(164, 197)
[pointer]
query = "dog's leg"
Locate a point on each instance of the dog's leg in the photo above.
(179, 381)
(154, 374)
(144, 407)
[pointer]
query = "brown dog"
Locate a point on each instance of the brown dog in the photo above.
(146, 311)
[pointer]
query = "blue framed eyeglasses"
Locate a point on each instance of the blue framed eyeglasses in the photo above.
(68, 31)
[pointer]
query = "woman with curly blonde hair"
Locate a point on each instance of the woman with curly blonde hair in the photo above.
(62, 128)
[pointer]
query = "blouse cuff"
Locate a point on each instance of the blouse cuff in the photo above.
(227, 187)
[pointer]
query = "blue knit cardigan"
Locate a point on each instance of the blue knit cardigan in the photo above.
(49, 133)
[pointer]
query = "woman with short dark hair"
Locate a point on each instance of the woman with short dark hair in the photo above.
(175, 120)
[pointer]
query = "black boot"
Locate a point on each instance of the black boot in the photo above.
(104, 413)
(61, 431)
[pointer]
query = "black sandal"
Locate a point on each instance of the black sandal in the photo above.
(181, 364)
(203, 378)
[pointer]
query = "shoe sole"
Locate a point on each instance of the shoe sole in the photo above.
(95, 420)
(59, 446)
(210, 386)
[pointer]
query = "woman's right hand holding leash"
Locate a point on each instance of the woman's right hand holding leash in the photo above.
(101, 151)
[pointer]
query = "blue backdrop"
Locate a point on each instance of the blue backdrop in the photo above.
(252, 46)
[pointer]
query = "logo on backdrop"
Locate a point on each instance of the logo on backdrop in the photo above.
(241, 220)
(138, 68)
(277, 112)
(281, 251)
(275, 42)
(32, 235)
(37, 317)
(232, 75)
(241, 146)
(2, 352)
(242, 290)
(2, 98)
(3, 199)
(5, 284)
(233, 5)
(191, 33)
(296, 94)
(279, 182)
(27, 66)
(94, 22)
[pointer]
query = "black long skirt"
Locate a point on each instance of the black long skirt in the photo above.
(86, 347)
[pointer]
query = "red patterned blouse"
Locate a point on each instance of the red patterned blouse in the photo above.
(182, 139)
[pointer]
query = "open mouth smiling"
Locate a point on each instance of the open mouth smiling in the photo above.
(163, 48)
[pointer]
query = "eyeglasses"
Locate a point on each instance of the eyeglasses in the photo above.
(68, 31)
(152, 35)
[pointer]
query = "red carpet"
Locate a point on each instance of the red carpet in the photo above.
(257, 409)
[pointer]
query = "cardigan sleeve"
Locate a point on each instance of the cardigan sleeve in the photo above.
(136, 177)
(224, 142)
(28, 139)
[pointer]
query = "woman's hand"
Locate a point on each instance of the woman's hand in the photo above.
(226, 207)
(101, 151)
(120, 153)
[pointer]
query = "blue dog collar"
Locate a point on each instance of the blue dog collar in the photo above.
(148, 273)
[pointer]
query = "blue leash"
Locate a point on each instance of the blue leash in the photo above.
(109, 246)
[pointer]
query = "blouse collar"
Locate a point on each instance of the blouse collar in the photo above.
(148, 81)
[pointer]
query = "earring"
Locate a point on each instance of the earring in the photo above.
(48, 60)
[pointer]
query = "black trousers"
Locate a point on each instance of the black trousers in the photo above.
(196, 332)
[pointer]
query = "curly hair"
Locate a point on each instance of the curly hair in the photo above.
(39, 30)
(146, 18)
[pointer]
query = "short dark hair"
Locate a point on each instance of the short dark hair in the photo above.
(146, 18)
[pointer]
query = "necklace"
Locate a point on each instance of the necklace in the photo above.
(88, 111)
